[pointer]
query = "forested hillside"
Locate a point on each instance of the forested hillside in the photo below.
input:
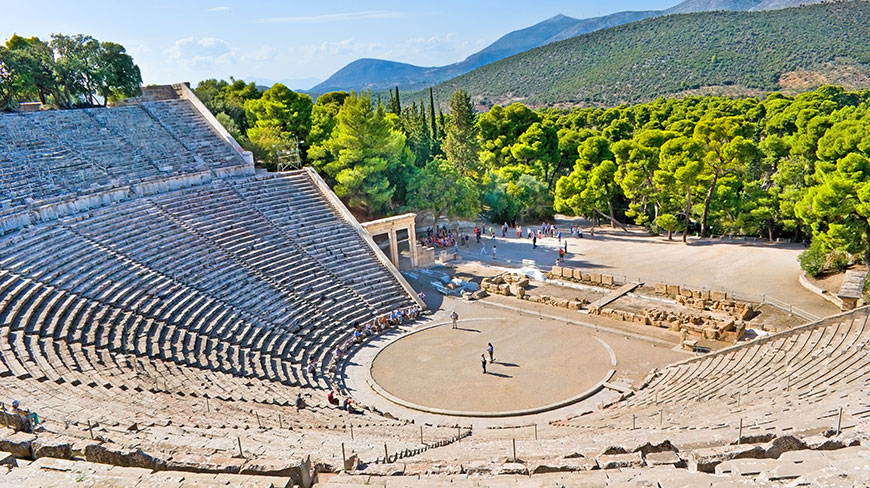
(735, 53)
(769, 167)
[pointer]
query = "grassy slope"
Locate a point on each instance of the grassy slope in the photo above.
(669, 55)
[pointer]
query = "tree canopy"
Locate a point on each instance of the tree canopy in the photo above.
(66, 72)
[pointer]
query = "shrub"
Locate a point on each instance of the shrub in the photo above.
(813, 260)
(838, 260)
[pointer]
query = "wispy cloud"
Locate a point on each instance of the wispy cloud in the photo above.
(337, 17)
(220, 9)
(201, 54)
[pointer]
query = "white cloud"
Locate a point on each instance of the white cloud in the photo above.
(220, 9)
(262, 53)
(200, 54)
(337, 17)
(337, 48)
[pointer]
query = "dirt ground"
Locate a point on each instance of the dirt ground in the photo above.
(748, 267)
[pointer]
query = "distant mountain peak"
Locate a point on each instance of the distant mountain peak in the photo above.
(558, 17)
(380, 74)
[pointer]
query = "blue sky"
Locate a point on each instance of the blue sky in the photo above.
(191, 40)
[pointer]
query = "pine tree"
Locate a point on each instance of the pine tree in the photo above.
(460, 139)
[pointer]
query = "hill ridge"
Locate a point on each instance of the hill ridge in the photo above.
(742, 52)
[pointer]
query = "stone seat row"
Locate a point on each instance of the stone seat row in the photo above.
(339, 242)
(63, 151)
(114, 331)
(796, 382)
(85, 256)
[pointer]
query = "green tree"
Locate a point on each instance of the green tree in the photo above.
(538, 149)
(394, 105)
(838, 208)
(668, 223)
(680, 168)
(323, 120)
(727, 151)
(638, 160)
(279, 119)
(440, 188)
(363, 150)
(460, 141)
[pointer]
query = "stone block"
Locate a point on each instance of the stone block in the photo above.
(564, 465)
(666, 458)
(783, 472)
(510, 469)
(686, 292)
(616, 461)
(7, 459)
(504, 289)
(575, 305)
(661, 289)
(705, 460)
(595, 277)
(17, 443)
(556, 271)
(674, 290)
(718, 295)
(775, 448)
(567, 273)
(298, 470)
(652, 447)
(51, 446)
(822, 443)
(184, 461)
(122, 456)
(391, 469)
(746, 467)
(606, 279)
(523, 282)
(520, 293)
(711, 333)
(578, 275)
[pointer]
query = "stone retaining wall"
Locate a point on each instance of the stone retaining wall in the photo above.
(515, 285)
(700, 324)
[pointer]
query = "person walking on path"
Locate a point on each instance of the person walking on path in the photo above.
(455, 317)
(483, 363)
(490, 350)
(519, 231)
(493, 251)
(482, 249)
(534, 241)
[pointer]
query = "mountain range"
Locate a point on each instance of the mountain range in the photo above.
(380, 74)
(745, 53)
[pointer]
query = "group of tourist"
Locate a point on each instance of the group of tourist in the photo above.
(368, 329)
(345, 404)
(440, 237)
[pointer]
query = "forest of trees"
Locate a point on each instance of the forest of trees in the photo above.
(790, 167)
(66, 72)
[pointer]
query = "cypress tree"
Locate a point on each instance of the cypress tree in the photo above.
(394, 105)
(432, 115)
